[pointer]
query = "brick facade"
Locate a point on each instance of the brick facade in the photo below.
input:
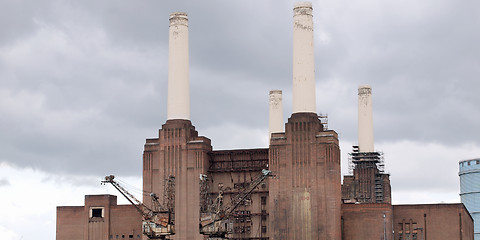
(99, 219)
(367, 221)
(305, 194)
(432, 221)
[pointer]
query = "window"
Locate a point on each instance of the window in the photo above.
(408, 230)
(96, 212)
(264, 200)
(264, 229)
(264, 215)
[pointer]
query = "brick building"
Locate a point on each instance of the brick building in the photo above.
(305, 198)
(99, 218)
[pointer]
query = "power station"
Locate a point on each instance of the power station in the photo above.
(291, 190)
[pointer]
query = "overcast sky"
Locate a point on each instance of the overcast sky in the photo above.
(83, 84)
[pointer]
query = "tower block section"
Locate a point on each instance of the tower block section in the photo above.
(173, 162)
(180, 154)
(305, 194)
(369, 183)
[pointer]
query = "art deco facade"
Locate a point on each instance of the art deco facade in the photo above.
(304, 200)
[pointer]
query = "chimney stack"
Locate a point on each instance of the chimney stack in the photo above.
(178, 106)
(365, 119)
(276, 112)
(303, 59)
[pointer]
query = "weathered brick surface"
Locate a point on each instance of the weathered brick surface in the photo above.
(367, 221)
(302, 201)
(433, 221)
(304, 197)
(118, 220)
(181, 153)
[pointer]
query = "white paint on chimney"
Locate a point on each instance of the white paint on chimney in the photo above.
(303, 59)
(276, 112)
(178, 106)
(365, 119)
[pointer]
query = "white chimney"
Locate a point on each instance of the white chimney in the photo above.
(365, 119)
(178, 106)
(303, 59)
(276, 113)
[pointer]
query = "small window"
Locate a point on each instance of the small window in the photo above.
(264, 200)
(264, 215)
(478, 162)
(96, 212)
(123, 236)
(264, 229)
(130, 236)
(468, 163)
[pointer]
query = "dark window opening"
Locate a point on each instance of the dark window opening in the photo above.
(264, 229)
(130, 236)
(264, 200)
(97, 212)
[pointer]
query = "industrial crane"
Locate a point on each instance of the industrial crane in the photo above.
(157, 223)
(217, 223)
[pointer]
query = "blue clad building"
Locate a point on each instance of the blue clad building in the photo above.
(470, 190)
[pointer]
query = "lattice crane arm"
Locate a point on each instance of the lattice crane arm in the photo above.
(217, 224)
(247, 191)
(145, 211)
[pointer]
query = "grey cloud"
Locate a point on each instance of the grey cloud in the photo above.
(4, 182)
(84, 83)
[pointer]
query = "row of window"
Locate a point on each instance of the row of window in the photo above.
(462, 164)
(246, 229)
(124, 236)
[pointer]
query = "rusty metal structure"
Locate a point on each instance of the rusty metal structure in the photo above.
(217, 221)
(157, 222)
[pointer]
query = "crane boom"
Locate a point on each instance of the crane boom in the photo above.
(242, 195)
(156, 224)
(144, 211)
